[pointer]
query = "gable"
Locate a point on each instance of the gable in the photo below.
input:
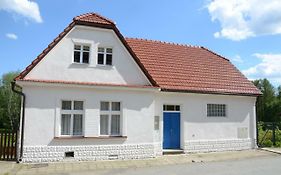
(58, 63)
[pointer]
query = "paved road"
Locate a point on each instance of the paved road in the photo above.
(270, 165)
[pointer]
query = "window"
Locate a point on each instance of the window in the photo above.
(72, 118)
(171, 108)
(110, 118)
(216, 110)
(104, 56)
(81, 54)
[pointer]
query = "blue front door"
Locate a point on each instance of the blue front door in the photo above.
(171, 130)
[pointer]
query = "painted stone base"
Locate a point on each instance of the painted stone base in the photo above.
(34, 154)
(218, 145)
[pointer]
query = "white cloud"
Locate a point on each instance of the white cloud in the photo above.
(12, 36)
(269, 67)
(237, 59)
(241, 19)
(25, 8)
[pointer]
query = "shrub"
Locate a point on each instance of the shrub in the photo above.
(267, 143)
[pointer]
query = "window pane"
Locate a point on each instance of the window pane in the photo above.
(77, 124)
(66, 105)
(86, 57)
(177, 108)
(108, 50)
(100, 49)
(115, 125)
(100, 58)
(86, 48)
(115, 106)
(170, 107)
(65, 124)
(77, 56)
(108, 59)
(216, 110)
(104, 106)
(77, 47)
(78, 105)
(104, 124)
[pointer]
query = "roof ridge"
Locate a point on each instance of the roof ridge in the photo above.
(164, 42)
(93, 13)
(207, 49)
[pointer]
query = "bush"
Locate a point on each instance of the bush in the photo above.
(267, 143)
(278, 144)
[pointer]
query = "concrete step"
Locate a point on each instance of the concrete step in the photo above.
(172, 151)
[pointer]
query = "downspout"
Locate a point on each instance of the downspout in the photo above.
(19, 158)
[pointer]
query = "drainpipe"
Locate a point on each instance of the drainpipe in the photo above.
(19, 158)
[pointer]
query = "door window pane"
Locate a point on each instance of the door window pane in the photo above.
(104, 124)
(66, 105)
(77, 124)
(115, 125)
(65, 124)
(115, 106)
(78, 105)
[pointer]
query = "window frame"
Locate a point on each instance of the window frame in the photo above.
(110, 112)
(81, 53)
(72, 112)
(105, 56)
(225, 112)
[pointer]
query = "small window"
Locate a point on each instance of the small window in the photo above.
(66, 105)
(171, 108)
(216, 110)
(81, 54)
(110, 118)
(105, 56)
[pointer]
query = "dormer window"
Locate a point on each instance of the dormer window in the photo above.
(104, 56)
(81, 54)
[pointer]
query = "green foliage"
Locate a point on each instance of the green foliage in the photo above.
(9, 103)
(266, 135)
(267, 143)
(269, 104)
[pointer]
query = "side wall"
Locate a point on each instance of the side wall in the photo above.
(200, 133)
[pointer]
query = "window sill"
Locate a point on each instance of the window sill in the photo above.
(83, 137)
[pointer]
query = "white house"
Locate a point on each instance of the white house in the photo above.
(93, 95)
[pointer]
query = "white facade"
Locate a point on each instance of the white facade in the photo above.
(199, 133)
(139, 107)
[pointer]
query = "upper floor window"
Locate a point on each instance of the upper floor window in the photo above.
(104, 56)
(216, 110)
(81, 54)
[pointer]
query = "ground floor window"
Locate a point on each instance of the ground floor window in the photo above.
(72, 118)
(110, 118)
(216, 110)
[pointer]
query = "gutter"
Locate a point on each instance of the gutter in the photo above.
(19, 158)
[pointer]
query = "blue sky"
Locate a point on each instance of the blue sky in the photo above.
(245, 31)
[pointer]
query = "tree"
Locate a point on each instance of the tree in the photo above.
(268, 105)
(9, 103)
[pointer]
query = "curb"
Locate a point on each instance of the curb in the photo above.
(271, 150)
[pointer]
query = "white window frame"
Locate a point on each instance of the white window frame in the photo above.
(110, 113)
(72, 112)
(81, 52)
(105, 56)
(225, 110)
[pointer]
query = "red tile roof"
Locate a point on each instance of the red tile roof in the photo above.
(172, 67)
(187, 68)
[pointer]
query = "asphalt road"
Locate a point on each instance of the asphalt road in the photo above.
(270, 165)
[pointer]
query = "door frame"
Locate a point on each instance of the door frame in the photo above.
(180, 124)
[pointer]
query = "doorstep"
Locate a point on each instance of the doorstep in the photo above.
(172, 151)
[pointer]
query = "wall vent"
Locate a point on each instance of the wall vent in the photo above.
(69, 154)
(112, 157)
(242, 133)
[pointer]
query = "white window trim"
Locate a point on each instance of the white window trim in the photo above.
(104, 55)
(226, 110)
(81, 53)
(110, 113)
(72, 112)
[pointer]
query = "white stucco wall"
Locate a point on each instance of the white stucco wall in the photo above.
(58, 63)
(199, 133)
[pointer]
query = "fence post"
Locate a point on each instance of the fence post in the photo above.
(273, 133)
